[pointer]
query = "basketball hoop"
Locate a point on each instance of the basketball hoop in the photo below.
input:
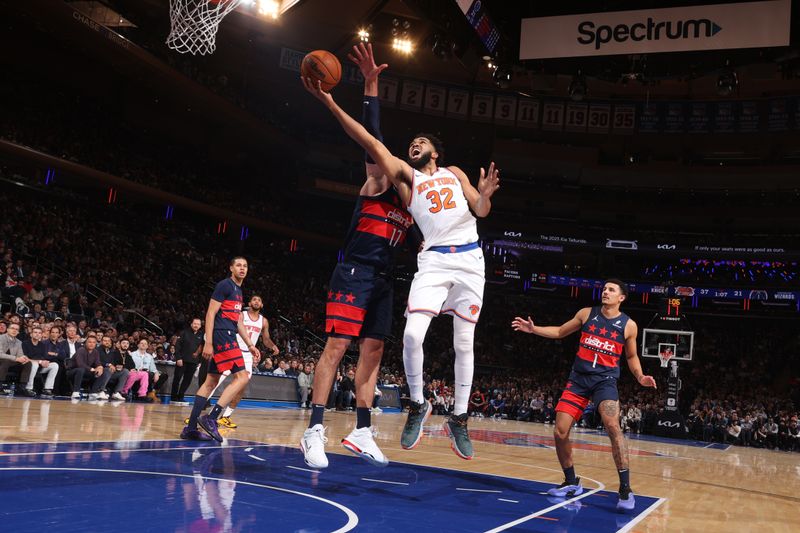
(665, 357)
(195, 24)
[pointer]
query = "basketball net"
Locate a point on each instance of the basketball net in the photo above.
(665, 357)
(195, 24)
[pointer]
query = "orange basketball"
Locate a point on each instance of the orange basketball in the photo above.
(323, 66)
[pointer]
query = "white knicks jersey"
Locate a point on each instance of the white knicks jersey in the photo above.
(440, 209)
(253, 328)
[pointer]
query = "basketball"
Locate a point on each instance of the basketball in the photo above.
(323, 66)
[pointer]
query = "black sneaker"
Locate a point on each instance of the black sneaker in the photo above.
(46, 394)
(26, 392)
(567, 489)
(418, 414)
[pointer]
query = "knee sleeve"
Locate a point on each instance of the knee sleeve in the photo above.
(413, 358)
(463, 340)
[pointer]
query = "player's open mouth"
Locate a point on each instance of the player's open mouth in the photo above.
(415, 152)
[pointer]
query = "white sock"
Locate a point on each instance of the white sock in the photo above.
(463, 340)
(227, 412)
(413, 336)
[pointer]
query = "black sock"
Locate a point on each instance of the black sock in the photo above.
(317, 413)
(197, 408)
(624, 478)
(569, 475)
(216, 412)
(362, 417)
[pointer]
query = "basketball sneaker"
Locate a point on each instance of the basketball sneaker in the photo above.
(226, 422)
(418, 414)
(119, 397)
(361, 441)
(194, 434)
(209, 425)
(626, 500)
(567, 489)
(456, 428)
(313, 446)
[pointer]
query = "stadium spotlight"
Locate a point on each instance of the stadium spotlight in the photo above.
(502, 76)
(269, 8)
(363, 35)
(577, 87)
(728, 81)
(404, 46)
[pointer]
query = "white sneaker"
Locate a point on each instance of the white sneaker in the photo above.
(313, 446)
(362, 443)
(375, 410)
(76, 396)
(93, 397)
(117, 396)
(102, 395)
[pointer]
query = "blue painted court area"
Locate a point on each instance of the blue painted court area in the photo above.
(246, 486)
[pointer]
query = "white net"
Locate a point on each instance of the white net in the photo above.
(195, 24)
(665, 358)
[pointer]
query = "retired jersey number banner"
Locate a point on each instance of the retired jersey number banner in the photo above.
(680, 29)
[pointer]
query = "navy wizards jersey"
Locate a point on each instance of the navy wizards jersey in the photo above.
(379, 224)
(601, 345)
(230, 295)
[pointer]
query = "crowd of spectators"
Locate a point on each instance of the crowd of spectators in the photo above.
(133, 284)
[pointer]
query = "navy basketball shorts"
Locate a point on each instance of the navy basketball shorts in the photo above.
(581, 388)
(359, 302)
(227, 355)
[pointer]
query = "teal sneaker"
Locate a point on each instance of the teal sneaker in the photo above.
(418, 414)
(456, 428)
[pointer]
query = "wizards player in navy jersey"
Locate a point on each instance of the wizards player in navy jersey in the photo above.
(606, 333)
(221, 349)
(359, 297)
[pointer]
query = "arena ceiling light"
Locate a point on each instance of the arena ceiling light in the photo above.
(269, 8)
(502, 76)
(363, 35)
(404, 46)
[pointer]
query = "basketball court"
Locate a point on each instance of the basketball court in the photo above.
(88, 467)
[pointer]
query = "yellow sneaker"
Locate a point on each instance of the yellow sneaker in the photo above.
(226, 422)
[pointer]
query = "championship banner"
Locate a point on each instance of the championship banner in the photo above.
(680, 29)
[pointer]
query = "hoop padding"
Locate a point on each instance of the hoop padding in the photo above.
(195, 24)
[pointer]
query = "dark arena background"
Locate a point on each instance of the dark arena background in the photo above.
(657, 143)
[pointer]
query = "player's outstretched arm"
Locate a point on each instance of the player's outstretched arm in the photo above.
(552, 332)
(479, 199)
(397, 170)
(632, 355)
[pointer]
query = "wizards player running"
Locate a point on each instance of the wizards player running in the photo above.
(223, 322)
(359, 302)
(605, 332)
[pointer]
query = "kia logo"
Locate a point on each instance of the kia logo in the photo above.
(513, 234)
(667, 423)
(666, 247)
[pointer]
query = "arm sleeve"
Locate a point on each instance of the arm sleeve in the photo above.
(371, 120)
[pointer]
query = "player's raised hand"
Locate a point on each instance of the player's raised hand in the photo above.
(315, 88)
(520, 324)
(489, 181)
(647, 381)
(362, 56)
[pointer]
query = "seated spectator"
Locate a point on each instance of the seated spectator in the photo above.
(86, 364)
(634, 418)
(304, 386)
(548, 413)
(112, 362)
(139, 364)
(11, 354)
(496, 406)
(35, 350)
(477, 403)
(348, 390)
(281, 369)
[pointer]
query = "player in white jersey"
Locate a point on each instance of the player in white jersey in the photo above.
(256, 326)
(450, 276)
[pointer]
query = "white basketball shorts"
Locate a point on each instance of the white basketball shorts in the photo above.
(448, 283)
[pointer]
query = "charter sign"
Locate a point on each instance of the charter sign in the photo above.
(681, 29)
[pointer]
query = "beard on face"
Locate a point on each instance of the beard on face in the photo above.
(420, 163)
